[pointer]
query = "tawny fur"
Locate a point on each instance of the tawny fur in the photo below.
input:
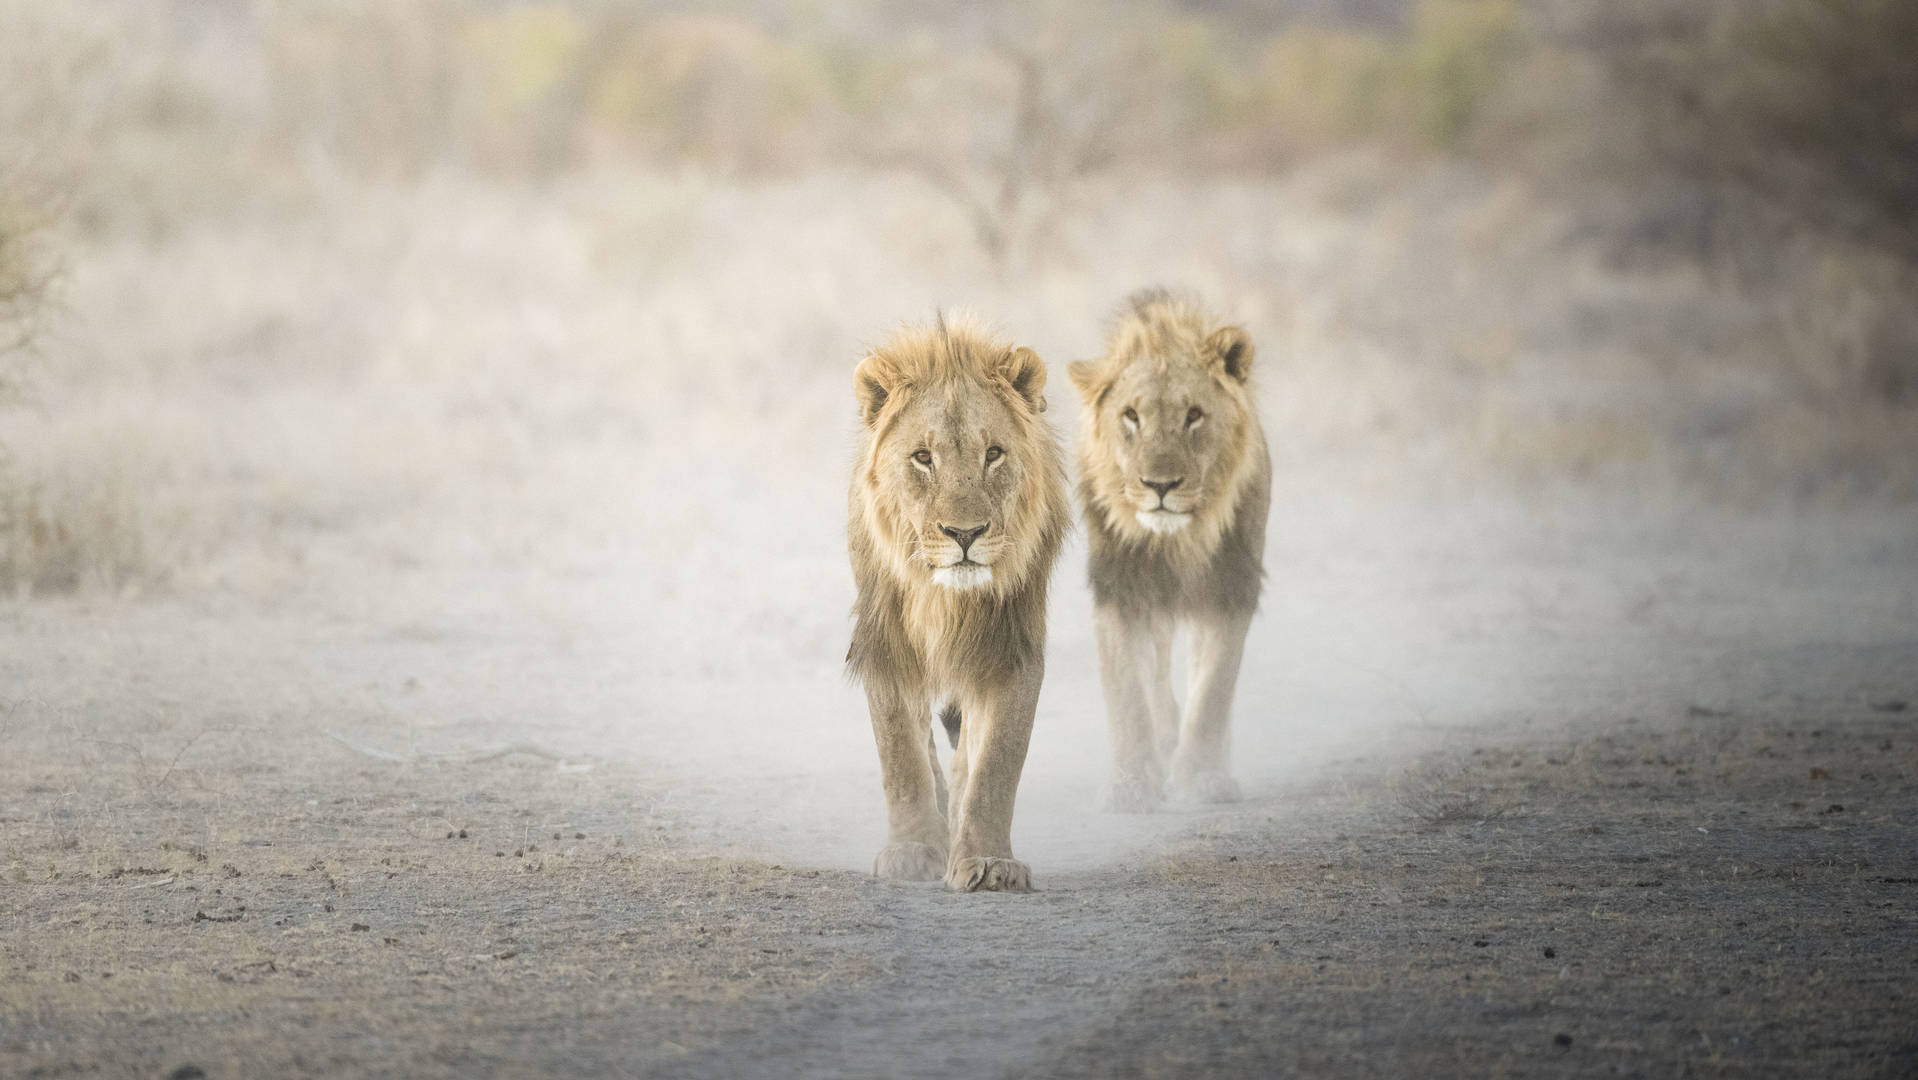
(938, 622)
(1171, 400)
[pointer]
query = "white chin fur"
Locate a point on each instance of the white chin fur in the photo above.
(961, 578)
(1162, 522)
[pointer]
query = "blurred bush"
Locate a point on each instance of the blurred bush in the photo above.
(1313, 87)
(25, 275)
(1797, 120)
(39, 60)
(1765, 151)
(536, 90)
(1810, 103)
(57, 538)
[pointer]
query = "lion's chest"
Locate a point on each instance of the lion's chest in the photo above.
(965, 642)
(934, 621)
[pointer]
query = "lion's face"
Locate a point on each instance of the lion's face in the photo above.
(955, 464)
(944, 469)
(1167, 427)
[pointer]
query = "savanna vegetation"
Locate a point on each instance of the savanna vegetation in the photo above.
(1707, 197)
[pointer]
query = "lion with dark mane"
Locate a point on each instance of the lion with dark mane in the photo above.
(1175, 484)
(958, 508)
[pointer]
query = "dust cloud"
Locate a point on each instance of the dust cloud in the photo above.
(436, 413)
(563, 432)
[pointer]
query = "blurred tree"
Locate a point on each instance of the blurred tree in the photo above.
(1008, 132)
(47, 59)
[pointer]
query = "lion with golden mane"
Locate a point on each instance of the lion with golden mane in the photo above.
(957, 512)
(1175, 483)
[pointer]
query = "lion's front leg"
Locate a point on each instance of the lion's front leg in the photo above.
(1201, 767)
(916, 825)
(1163, 705)
(1127, 650)
(993, 745)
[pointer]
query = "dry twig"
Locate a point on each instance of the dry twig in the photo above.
(464, 757)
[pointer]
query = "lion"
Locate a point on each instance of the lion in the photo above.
(958, 508)
(1175, 484)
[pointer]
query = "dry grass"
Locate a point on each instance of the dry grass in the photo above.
(458, 367)
(305, 329)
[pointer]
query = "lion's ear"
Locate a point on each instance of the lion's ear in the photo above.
(1091, 379)
(1084, 375)
(1233, 349)
(1026, 374)
(873, 384)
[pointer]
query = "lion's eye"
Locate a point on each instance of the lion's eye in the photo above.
(993, 454)
(923, 457)
(1194, 415)
(1129, 416)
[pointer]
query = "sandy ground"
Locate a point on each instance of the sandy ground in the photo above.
(423, 603)
(1547, 786)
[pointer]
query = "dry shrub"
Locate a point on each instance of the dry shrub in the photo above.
(42, 53)
(375, 86)
(1781, 138)
(1011, 130)
(26, 275)
(714, 90)
(1811, 103)
(1314, 87)
(61, 538)
(1850, 329)
(1459, 52)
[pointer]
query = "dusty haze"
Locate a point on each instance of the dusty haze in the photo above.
(427, 472)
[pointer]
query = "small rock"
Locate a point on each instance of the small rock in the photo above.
(187, 1072)
(1550, 952)
(1562, 1039)
(1890, 705)
(360, 926)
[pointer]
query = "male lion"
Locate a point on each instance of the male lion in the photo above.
(1175, 482)
(958, 509)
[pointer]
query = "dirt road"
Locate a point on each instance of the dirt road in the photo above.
(1582, 801)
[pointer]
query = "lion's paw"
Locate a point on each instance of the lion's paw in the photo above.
(1206, 787)
(987, 874)
(909, 861)
(1131, 796)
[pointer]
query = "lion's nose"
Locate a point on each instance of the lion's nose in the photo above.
(1162, 486)
(963, 537)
